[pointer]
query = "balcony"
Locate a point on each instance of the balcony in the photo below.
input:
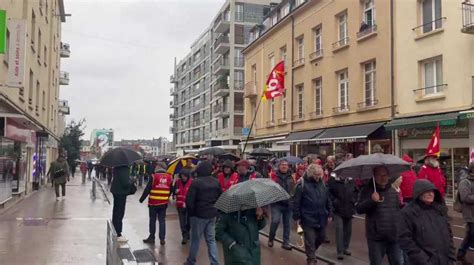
(366, 31)
(221, 111)
(221, 88)
(173, 103)
(222, 25)
(238, 85)
(250, 90)
(173, 79)
(316, 55)
(173, 130)
(430, 92)
(65, 50)
(298, 62)
(239, 61)
(172, 116)
(173, 91)
(467, 18)
(196, 123)
(221, 45)
(64, 78)
(63, 107)
(341, 109)
(221, 67)
(367, 103)
(340, 44)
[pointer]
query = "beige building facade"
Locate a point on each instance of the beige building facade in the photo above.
(30, 105)
(338, 69)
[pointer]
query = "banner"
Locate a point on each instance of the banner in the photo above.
(275, 86)
(3, 31)
(434, 146)
(17, 46)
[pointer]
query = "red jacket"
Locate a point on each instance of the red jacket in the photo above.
(182, 191)
(160, 189)
(227, 183)
(408, 181)
(435, 176)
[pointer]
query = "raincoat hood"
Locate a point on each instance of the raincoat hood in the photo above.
(423, 185)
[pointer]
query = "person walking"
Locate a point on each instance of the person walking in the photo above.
(312, 209)
(408, 181)
(329, 168)
(120, 189)
(282, 210)
(90, 167)
(180, 190)
(381, 206)
(466, 197)
(244, 173)
(227, 178)
(343, 194)
(141, 170)
(432, 172)
(238, 232)
(202, 195)
(426, 235)
(158, 191)
(83, 168)
(59, 174)
(73, 166)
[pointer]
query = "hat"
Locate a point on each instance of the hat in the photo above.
(228, 163)
(407, 158)
(203, 169)
(244, 163)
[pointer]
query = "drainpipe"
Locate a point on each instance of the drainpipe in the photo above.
(392, 78)
(292, 77)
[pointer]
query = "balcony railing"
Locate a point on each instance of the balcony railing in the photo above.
(196, 123)
(63, 107)
(468, 17)
(430, 91)
(367, 103)
(429, 26)
(239, 85)
(340, 43)
(65, 50)
(221, 45)
(366, 30)
(250, 90)
(340, 109)
(173, 79)
(316, 55)
(298, 62)
(221, 66)
(64, 78)
(222, 25)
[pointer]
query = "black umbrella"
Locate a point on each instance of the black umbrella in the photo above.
(261, 152)
(229, 156)
(215, 151)
(119, 156)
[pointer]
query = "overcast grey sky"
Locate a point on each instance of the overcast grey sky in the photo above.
(122, 54)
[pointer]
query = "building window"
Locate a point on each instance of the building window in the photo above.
(285, 10)
(271, 61)
(433, 76)
(33, 27)
(283, 55)
(39, 44)
(299, 2)
(431, 16)
(299, 51)
(369, 83)
(300, 95)
(7, 48)
(343, 82)
(283, 106)
(318, 41)
(274, 19)
(318, 94)
(37, 95)
(272, 111)
(239, 12)
(342, 29)
(45, 55)
(43, 103)
(225, 123)
(30, 90)
(369, 13)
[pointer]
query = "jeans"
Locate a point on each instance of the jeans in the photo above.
(343, 232)
(200, 227)
(279, 212)
(184, 222)
(118, 212)
(63, 189)
(159, 211)
(378, 249)
(468, 240)
(313, 238)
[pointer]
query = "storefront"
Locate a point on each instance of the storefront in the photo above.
(270, 143)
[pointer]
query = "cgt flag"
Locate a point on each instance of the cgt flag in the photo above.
(275, 85)
(434, 146)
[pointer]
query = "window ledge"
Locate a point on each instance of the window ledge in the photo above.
(428, 34)
(340, 48)
(298, 66)
(341, 113)
(367, 36)
(317, 58)
(431, 97)
(281, 123)
(368, 108)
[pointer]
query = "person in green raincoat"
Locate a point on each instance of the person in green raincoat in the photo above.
(238, 233)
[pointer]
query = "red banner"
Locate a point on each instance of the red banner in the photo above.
(275, 86)
(434, 146)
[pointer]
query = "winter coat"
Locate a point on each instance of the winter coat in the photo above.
(381, 218)
(243, 230)
(408, 180)
(250, 175)
(435, 176)
(121, 181)
(227, 181)
(311, 203)
(83, 167)
(343, 194)
(202, 195)
(286, 182)
(425, 234)
(466, 194)
(60, 163)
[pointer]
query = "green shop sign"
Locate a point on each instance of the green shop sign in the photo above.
(3, 31)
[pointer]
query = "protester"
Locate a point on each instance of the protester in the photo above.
(343, 194)
(239, 235)
(90, 167)
(426, 235)
(141, 171)
(202, 195)
(282, 210)
(299, 172)
(466, 196)
(180, 189)
(59, 174)
(158, 191)
(120, 189)
(408, 180)
(243, 170)
(329, 167)
(381, 207)
(227, 177)
(312, 210)
(431, 171)
(73, 168)
(263, 167)
(83, 168)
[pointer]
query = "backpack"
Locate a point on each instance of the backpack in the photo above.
(457, 205)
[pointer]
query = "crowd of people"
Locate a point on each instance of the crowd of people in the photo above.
(406, 218)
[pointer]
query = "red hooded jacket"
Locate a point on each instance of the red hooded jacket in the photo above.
(408, 180)
(435, 176)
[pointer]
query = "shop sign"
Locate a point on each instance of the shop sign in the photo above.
(342, 140)
(446, 132)
(467, 115)
(16, 132)
(17, 47)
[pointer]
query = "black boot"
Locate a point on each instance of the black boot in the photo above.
(149, 240)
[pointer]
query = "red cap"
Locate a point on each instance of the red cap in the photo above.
(243, 162)
(407, 158)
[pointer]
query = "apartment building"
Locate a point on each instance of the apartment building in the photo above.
(337, 79)
(208, 102)
(30, 79)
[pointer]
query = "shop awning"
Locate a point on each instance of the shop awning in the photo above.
(261, 140)
(445, 119)
(348, 133)
(305, 136)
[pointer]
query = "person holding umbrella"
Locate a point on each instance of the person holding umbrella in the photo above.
(227, 177)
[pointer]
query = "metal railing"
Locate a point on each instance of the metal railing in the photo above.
(367, 103)
(340, 43)
(468, 17)
(429, 26)
(340, 109)
(315, 55)
(366, 31)
(222, 39)
(430, 90)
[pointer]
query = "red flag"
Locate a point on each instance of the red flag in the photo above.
(434, 146)
(275, 85)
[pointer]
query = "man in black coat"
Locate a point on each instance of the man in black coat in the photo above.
(426, 235)
(202, 195)
(382, 213)
(343, 194)
(312, 209)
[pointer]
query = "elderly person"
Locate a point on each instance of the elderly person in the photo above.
(312, 209)
(432, 172)
(244, 173)
(426, 235)
(381, 206)
(329, 167)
